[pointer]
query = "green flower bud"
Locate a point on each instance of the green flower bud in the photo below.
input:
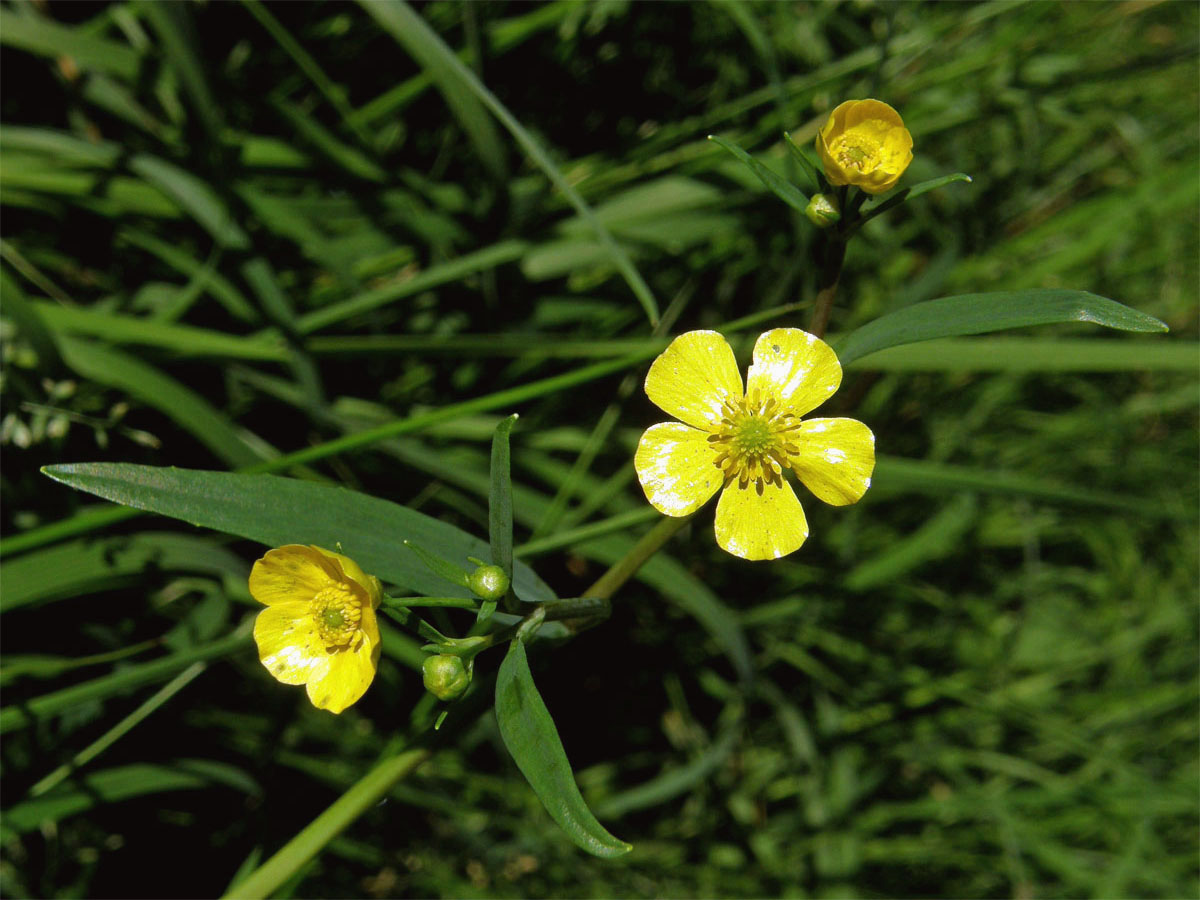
(488, 582)
(822, 210)
(446, 677)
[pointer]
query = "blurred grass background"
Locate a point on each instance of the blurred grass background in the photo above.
(232, 230)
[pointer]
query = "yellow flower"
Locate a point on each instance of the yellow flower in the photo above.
(865, 143)
(743, 442)
(319, 627)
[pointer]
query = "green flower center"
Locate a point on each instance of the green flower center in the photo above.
(754, 441)
(336, 611)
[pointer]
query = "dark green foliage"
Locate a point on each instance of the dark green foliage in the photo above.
(238, 230)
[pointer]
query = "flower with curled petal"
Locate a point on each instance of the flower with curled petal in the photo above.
(741, 442)
(865, 143)
(319, 627)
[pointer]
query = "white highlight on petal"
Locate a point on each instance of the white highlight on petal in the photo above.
(834, 455)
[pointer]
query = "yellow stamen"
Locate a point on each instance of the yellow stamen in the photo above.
(336, 610)
(751, 442)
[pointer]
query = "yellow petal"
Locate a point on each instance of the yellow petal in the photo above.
(287, 640)
(798, 369)
(345, 675)
(674, 463)
(764, 525)
(693, 377)
(836, 459)
(369, 583)
(294, 572)
(858, 111)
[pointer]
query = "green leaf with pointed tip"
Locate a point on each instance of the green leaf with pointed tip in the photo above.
(814, 174)
(500, 514)
(784, 190)
(982, 313)
(915, 191)
(531, 738)
(277, 511)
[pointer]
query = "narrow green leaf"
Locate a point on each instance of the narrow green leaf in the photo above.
(894, 475)
(176, 31)
(111, 786)
(441, 568)
(365, 793)
(126, 679)
(443, 273)
(531, 738)
(188, 409)
(185, 339)
(915, 191)
(814, 175)
(216, 284)
(200, 200)
(981, 313)
(46, 38)
(1014, 354)
(31, 325)
(397, 15)
(77, 568)
(351, 160)
(785, 191)
(411, 32)
(276, 511)
(937, 538)
(500, 514)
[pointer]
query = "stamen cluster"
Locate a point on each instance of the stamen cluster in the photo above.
(754, 441)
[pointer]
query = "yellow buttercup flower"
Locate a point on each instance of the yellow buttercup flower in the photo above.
(865, 143)
(319, 627)
(742, 442)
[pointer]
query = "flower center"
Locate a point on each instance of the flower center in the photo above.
(336, 610)
(754, 441)
(854, 148)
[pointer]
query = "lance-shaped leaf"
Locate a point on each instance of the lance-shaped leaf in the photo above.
(982, 313)
(531, 738)
(277, 511)
(784, 190)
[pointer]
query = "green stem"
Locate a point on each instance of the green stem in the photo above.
(410, 602)
(265, 880)
(626, 567)
(831, 273)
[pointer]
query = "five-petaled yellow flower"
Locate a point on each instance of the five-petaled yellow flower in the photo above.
(744, 441)
(865, 143)
(319, 627)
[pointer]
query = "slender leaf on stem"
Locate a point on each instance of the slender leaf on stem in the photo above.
(440, 567)
(814, 175)
(277, 511)
(915, 191)
(981, 313)
(788, 193)
(531, 738)
(500, 514)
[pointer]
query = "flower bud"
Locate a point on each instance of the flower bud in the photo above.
(446, 677)
(822, 210)
(488, 582)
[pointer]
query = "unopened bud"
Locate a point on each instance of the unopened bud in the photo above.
(446, 677)
(822, 211)
(488, 582)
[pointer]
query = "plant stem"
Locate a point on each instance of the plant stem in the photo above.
(266, 879)
(626, 567)
(411, 602)
(831, 272)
